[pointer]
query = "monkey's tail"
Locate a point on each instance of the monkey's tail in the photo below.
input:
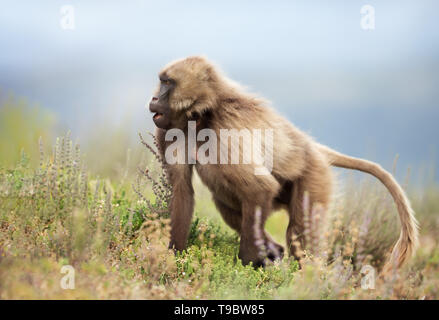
(408, 239)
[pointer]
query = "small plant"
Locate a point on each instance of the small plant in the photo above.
(51, 207)
(161, 188)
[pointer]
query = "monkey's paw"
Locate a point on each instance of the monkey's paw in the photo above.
(274, 251)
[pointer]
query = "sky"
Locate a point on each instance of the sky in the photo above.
(368, 93)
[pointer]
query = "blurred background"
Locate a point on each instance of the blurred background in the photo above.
(367, 93)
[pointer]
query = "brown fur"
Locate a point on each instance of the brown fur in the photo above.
(299, 164)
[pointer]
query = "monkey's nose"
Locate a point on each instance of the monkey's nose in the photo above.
(153, 105)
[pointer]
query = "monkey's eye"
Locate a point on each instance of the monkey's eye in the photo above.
(166, 82)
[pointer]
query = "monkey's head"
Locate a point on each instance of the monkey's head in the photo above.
(187, 88)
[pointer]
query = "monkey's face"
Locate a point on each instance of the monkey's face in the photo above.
(183, 90)
(159, 104)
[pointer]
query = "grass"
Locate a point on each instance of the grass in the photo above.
(114, 231)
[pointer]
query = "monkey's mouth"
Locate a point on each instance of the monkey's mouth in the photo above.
(157, 116)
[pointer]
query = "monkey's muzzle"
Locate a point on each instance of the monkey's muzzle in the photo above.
(161, 112)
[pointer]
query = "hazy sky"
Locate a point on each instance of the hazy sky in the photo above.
(363, 92)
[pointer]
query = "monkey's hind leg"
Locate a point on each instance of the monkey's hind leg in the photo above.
(252, 231)
(318, 185)
(295, 231)
(233, 218)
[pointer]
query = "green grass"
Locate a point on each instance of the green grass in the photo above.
(114, 230)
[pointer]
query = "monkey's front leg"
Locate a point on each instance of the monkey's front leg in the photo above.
(252, 233)
(181, 207)
(182, 200)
